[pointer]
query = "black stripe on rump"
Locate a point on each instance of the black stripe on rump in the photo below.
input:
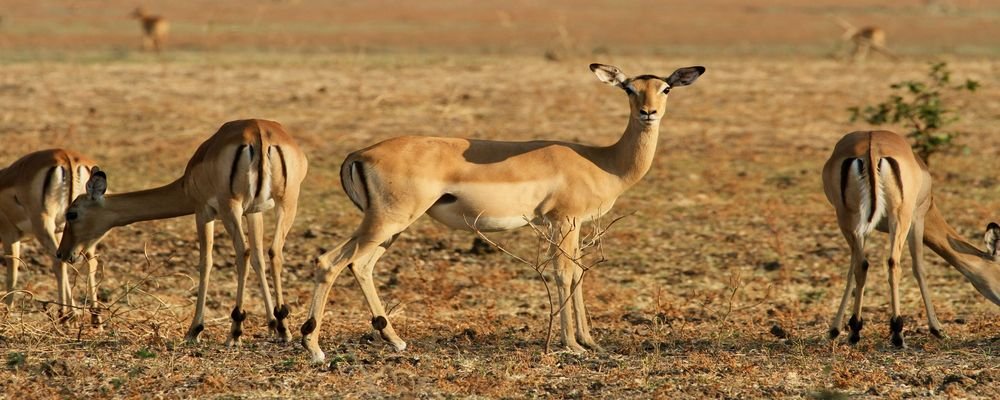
(47, 182)
(845, 171)
(284, 167)
(232, 171)
(894, 165)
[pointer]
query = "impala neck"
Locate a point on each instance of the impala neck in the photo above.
(973, 263)
(634, 151)
(167, 201)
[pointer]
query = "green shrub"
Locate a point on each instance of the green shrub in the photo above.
(919, 106)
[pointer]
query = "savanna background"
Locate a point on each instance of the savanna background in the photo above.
(720, 280)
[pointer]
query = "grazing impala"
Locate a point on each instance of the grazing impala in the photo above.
(245, 168)
(493, 186)
(875, 182)
(154, 29)
(35, 192)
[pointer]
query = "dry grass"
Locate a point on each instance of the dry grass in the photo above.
(684, 305)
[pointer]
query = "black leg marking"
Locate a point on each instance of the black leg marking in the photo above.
(379, 323)
(938, 334)
(855, 324)
(281, 312)
(270, 253)
(308, 327)
(896, 327)
(197, 330)
(891, 262)
(864, 265)
(834, 332)
(238, 317)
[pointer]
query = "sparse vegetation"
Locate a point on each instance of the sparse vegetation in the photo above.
(920, 107)
(730, 217)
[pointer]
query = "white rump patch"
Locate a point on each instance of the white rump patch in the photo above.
(864, 188)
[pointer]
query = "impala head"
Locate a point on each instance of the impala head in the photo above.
(992, 239)
(647, 94)
(83, 228)
(139, 12)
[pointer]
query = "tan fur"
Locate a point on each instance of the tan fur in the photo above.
(910, 214)
(491, 186)
(154, 29)
(864, 40)
(220, 182)
(24, 213)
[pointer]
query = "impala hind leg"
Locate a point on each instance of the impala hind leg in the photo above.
(329, 266)
(563, 246)
(916, 243)
(206, 240)
(362, 271)
(284, 216)
(255, 226)
(857, 246)
(12, 257)
(859, 270)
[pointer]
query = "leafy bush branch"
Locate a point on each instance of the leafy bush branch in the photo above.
(919, 106)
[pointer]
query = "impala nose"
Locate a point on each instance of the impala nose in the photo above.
(646, 113)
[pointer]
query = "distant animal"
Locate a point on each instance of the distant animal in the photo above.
(154, 29)
(489, 186)
(35, 192)
(864, 40)
(244, 169)
(874, 181)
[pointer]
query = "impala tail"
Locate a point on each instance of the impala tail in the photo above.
(354, 183)
(871, 187)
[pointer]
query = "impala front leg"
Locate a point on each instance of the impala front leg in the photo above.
(232, 221)
(897, 239)
(206, 238)
(284, 217)
(255, 225)
(12, 257)
(564, 244)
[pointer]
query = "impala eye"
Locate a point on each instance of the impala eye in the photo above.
(70, 216)
(667, 90)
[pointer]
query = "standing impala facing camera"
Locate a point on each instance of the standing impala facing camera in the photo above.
(493, 186)
(874, 181)
(245, 168)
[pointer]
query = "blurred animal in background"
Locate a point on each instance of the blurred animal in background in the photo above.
(864, 40)
(154, 29)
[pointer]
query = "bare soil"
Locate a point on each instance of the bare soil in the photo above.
(720, 281)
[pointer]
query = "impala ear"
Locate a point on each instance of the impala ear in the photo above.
(684, 76)
(992, 237)
(97, 185)
(609, 74)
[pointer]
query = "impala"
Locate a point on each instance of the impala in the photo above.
(154, 29)
(489, 186)
(864, 39)
(874, 181)
(245, 168)
(35, 192)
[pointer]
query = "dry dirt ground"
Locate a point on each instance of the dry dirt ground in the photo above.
(728, 237)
